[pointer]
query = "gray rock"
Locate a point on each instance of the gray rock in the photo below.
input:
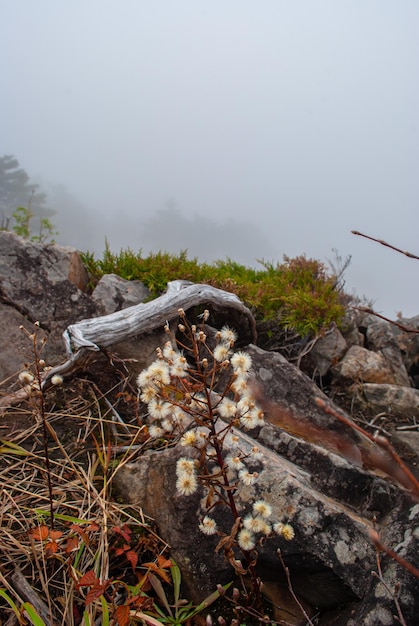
(114, 293)
(326, 351)
(380, 338)
(392, 399)
(39, 283)
(408, 344)
(360, 364)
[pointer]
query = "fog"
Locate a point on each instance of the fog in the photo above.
(232, 128)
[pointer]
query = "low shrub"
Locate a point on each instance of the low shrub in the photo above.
(297, 294)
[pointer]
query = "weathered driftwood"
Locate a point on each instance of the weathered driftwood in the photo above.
(103, 332)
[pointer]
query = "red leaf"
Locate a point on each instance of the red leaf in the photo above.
(81, 532)
(72, 544)
(125, 532)
(132, 558)
(52, 547)
(40, 533)
(88, 579)
(122, 615)
(93, 526)
(163, 562)
(158, 570)
(95, 593)
(55, 534)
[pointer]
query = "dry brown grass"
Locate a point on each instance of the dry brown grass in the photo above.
(88, 442)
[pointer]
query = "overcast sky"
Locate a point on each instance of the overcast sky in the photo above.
(298, 117)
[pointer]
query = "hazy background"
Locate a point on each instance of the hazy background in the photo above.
(231, 128)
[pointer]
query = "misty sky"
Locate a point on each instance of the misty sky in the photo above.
(298, 119)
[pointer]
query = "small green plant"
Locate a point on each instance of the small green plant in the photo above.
(23, 220)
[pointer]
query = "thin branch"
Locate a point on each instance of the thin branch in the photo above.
(388, 245)
(374, 536)
(291, 590)
(366, 309)
(382, 442)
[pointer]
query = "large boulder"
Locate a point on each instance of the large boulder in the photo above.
(41, 283)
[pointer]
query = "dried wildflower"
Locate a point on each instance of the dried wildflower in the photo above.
(26, 378)
(186, 484)
(149, 393)
(288, 532)
(248, 478)
(228, 335)
(265, 527)
(185, 466)
(239, 385)
(167, 425)
(201, 438)
(168, 351)
(158, 408)
(159, 372)
(249, 420)
(221, 352)
(179, 366)
(232, 441)
(205, 315)
(227, 408)
(245, 404)
(208, 526)
(234, 463)
(155, 431)
(262, 508)
(246, 539)
(180, 418)
(254, 524)
(256, 454)
(144, 379)
(241, 362)
(57, 379)
(188, 439)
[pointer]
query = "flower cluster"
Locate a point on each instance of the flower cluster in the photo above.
(165, 387)
(198, 390)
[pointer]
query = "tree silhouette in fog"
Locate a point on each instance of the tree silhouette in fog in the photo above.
(17, 190)
(169, 230)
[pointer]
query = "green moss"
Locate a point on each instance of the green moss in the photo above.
(297, 293)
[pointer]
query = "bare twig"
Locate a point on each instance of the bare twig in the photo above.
(412, 483)
(375, 538)
(291, 590)
(30, 595)
(392, 594)
(406, 329)
(388, 245)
